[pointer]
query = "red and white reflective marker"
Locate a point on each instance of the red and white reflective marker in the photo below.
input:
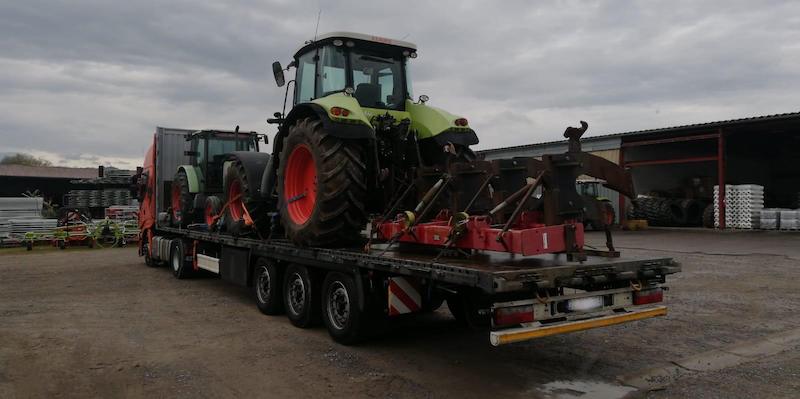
(404, 296)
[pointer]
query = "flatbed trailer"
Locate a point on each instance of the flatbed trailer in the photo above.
(513, 297)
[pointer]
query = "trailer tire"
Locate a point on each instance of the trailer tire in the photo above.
(301, 296)
(321, 186)
(267, 287)
(177, 260)
(182, 201)
(342, 310)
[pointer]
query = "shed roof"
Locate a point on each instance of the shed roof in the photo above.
(665, 130)
(53, 172)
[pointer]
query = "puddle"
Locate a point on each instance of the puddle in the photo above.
(583, 389)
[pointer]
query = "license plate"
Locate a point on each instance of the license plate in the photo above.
(585, 304)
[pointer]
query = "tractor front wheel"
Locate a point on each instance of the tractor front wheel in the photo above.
(321, 187)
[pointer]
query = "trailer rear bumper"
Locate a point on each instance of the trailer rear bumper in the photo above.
(513, 335)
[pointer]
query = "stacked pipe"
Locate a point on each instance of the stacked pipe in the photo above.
(743, 205)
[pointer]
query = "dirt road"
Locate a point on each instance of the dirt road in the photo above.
(98, 323)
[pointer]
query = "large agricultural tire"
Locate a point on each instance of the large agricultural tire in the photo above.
(181, 200)
(242, 195)
(708, 216)
(211, 211)
(268, 287)
(321, 187)
(342, 311)
(301, 296)
(692, 212)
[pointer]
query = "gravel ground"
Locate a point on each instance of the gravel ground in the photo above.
(98, 323)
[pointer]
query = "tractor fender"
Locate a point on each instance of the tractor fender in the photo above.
(255, 163)
(337, 129)
(193, 174)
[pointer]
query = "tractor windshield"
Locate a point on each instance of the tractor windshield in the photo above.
(377, 80)
(376, 77)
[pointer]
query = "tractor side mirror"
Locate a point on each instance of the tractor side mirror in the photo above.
(423, 99)
(277, 71)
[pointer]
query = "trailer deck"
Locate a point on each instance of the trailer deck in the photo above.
(492, 272)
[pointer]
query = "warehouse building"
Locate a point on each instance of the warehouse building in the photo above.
(686, 162)
(52, 182)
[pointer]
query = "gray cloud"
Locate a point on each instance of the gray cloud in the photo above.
(89, 80)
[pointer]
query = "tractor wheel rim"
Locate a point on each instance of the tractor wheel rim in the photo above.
(263, 290)
(338, 305)
(236, 199)
(300, 184)
(176, 202)
(297, 294)
(209, 214)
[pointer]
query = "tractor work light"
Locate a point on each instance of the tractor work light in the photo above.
(513, 315)
(338, 42)
(461, 122)
(339, 111)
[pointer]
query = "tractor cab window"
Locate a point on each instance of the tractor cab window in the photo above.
(331, 77)
(377, 80)
(306, 75)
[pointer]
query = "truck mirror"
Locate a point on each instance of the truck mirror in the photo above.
(277, 71)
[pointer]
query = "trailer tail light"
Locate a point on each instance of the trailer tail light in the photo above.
(646, 296)
(339, 111)
(513, 315)
(461, 122)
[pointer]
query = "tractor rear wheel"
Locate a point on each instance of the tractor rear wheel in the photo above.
(321, 187)
(181, 200)
(242, 198)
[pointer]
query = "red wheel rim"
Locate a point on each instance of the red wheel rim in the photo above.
(209, 214)
(300, 184)
(176, 201)
(236, 200)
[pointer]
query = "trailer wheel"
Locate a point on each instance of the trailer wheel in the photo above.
(341, 309)
(181, 200)
(180, 268)
(267, 287)
(301, 296)
(321, 186)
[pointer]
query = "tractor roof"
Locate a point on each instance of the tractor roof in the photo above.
(223, 132)
(329, 37)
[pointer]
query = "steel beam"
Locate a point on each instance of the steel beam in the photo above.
(672, 140)
(721, 176)
(672, 161)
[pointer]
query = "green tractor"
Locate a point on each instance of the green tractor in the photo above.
(197, 188)
(352, 142)
(598, 210)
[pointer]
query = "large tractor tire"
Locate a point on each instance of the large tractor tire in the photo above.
(243, 198)
(321, 187)
(181, 201)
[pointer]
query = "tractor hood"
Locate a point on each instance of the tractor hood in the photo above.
(426, 121)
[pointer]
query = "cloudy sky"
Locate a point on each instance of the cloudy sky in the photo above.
(85, 82)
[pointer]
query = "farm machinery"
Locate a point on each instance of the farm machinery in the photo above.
(355, 152)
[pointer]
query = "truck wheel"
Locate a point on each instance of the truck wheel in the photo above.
(267, 287)
(211, 212)
(180, 268)
(341, 309)
(242, 197)
(301, 297)
(148, 260)
(181, 200)
(321, 187)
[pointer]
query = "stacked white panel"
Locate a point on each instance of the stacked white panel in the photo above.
(743, 205)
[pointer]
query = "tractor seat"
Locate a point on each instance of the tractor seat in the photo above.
(368, 94)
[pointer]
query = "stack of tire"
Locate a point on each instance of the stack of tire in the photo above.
(667, 212)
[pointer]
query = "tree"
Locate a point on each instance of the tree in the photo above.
(24, 159)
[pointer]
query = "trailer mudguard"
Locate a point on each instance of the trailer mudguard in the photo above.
(234, 265)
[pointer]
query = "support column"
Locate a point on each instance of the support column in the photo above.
(721, 177)
(622, 214)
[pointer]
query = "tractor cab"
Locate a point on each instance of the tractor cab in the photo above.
(210, 149)
(372, 69)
